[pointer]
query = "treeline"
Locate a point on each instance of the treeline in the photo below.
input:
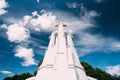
(19, 77)
(90, 71)
(98, 73)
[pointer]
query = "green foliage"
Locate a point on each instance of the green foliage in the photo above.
(35, 73)
(8, 78)
(40, 62)
(98, 73)
(19, 77)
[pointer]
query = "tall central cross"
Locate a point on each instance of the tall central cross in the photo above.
(60, 29)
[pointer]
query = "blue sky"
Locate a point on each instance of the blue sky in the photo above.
(25, 27)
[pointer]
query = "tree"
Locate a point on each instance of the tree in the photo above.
(8, 78)
(19, 77)
(98, 73)
(40, 62)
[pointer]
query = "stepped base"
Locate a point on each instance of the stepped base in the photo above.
(54, 74)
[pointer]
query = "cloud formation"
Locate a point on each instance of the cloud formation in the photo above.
(39, 22)
(113, 70)
(26, 54)
(9, 73)
(84, 21)
(43, 21)
(99, 1)
(46, 20)
(72, 5)
(3, 5)
(88, 43)
(38, 1)
(17, 33)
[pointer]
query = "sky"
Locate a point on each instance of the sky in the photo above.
(25, 27)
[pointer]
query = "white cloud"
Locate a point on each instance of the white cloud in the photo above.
(73, 5)
(26, 54)
(35, 13)
(39, 21)
(85, 21)
(26, 19)
(43, 47)
(38, 1)
(88, 43)
(88, 15)
(99, 1)
(17, 33)
(43, 21)
(6, 72)
(3, 5)
(46, 20)
(2, 11)
(113, 70)
(11, 20)
(9, 73)
(3, 26)
(115, 46)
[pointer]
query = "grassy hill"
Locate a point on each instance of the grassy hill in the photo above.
(98, 73)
